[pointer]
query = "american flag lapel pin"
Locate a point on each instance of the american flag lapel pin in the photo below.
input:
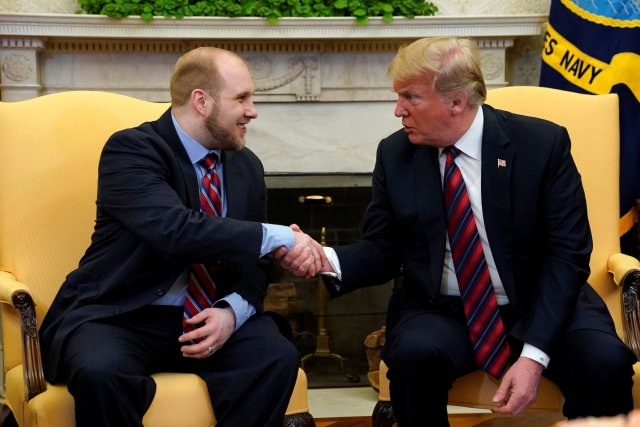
(502, 163)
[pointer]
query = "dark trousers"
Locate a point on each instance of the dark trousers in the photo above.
(108, 364)
(431, 348)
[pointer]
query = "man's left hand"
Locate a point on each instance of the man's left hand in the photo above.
(217, 326)
(519, 387)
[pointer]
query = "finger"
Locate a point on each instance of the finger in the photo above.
(306, 267)
(195, 352)
(302, 258)
(317, 258)
(192, 336)
(501, 396)
(199, 317)
(516, 405)
(288, 260)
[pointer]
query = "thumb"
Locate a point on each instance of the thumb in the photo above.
(502, 392)
(295, 227)
(280, 252)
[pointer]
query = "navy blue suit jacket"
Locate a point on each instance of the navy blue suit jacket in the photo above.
(149, 229)
(535, 215)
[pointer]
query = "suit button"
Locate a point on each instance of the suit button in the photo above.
(159, 292)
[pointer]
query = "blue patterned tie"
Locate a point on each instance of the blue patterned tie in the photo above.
(478, 297)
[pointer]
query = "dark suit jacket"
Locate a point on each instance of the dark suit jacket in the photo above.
(149, 229)
(535, 216)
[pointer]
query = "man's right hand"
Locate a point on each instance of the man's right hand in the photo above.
(305, 259)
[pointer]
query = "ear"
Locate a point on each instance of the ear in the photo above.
(202, 102)
(458, 103)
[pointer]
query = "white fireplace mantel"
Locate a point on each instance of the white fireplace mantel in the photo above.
(249, 28)
(321, 84)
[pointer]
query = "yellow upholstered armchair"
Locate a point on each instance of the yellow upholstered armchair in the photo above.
(49, 150)
(592, 122)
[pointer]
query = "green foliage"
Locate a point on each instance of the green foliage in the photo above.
(272, 10)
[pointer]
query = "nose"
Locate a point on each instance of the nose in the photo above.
(251, 111)
(400, 111)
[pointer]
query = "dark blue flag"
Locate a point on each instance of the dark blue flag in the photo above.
(593, 46)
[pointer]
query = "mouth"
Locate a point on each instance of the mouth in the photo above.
(242, 127)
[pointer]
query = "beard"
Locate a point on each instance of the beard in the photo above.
(222, 137)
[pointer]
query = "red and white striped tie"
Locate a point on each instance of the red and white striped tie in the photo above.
(479, 299)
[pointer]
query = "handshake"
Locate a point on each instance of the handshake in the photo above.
(306, 258)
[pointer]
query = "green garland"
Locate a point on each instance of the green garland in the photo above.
(272, 10)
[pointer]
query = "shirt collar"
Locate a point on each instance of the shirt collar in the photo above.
(194, 149)
(471, 142)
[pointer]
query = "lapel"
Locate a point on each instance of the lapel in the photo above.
(234, 185)
(189, 178)
(429, 198)
(497, 166)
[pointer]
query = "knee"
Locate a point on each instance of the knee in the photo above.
(284, 354)
(411, 360)
(603, 360)
(91, 378)
(611, 365)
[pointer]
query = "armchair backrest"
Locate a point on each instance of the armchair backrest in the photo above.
(49, 151)
(592, 123)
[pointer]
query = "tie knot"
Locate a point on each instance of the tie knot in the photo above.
(451, 152)
(209, 161)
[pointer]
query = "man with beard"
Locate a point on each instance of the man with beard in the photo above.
(178, 265)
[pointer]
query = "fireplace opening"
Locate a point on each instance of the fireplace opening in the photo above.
(329, 333)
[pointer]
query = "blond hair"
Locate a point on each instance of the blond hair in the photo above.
(453, 63)
(196, 69)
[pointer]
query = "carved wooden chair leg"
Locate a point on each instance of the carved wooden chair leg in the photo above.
(299, 420)
(383, 414)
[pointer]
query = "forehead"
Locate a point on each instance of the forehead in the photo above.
(235, 76)
(412, 87)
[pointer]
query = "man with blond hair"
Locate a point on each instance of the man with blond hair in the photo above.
(178, 266)
(481, 215)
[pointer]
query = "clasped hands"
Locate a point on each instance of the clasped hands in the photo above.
(306, 258)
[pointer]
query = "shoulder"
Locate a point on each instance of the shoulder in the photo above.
(511, 122)
(243, 159)
(536, 140)
(159, 129)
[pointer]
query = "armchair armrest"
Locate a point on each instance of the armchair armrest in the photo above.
(625, 270)
(18, 295)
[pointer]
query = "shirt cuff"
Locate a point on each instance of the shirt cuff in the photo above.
(535, 354)
(240, 306)
(275, 236)
(334, 262)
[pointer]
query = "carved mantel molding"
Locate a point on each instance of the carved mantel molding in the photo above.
(298, 59)
(249, 28)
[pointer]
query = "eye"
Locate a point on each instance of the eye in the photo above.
(412, 98)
